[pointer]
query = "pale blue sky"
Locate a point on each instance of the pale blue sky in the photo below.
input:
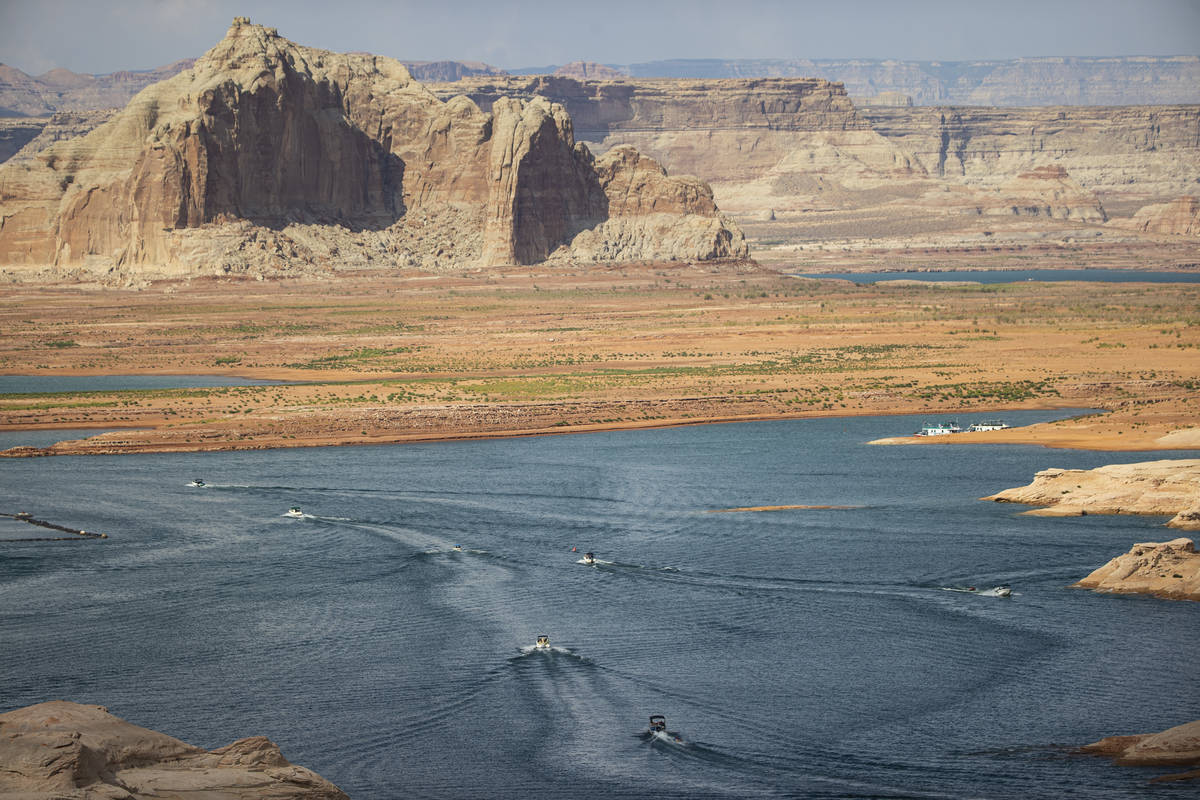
(107, 35)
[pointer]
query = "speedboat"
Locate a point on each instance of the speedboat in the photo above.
(1002, 591)
(542, 643)
(658, 730)
(589, 558)
(294, 512)
(457, 548)
(197, 482)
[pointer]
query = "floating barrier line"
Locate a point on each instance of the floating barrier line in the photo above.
(77, 535)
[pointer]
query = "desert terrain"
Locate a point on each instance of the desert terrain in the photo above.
(376, 357)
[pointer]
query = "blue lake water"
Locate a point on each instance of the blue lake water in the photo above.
(1013, 276)
(807, 653)
(23, 384)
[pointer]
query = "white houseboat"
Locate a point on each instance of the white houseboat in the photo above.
(938, 429)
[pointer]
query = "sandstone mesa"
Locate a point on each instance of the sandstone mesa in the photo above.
(1167, 487)
(266, 155)
(69, 751)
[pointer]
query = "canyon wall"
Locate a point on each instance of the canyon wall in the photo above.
(1048, 81)
(797, 144)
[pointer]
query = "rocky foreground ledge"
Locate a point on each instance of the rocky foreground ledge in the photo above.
(1149, 487)
(1174, 747)
(1164, 569)
(67, 751)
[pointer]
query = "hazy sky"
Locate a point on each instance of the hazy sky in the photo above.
(108, 35)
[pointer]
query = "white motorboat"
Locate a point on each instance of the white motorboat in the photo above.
(589, 558)
(294, 512)
(198, 482)
(658, 730)
(542, 643)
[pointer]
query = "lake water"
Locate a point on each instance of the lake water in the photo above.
(24, 384)
(1013, 276)
(805, 653)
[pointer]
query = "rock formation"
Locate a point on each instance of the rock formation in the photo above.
(590, 70)
(1148, 150)
(1046, 191)
(1166, 569)
(1174, 747)
(446, 71)
(1148, 487)
(63, 90)
(1180, 217)
(60, 750)
(328, 160)
(799, 144)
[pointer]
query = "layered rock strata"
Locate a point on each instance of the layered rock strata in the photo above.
(68, 751)
(263, 138)
(1149, 487)
(1046, 81)
(1166, 569)
(1180, 217)
(1146, 151)
(1174, 747)
(797, 144)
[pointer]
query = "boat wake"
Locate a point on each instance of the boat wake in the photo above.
(995, 591)
(553, 650)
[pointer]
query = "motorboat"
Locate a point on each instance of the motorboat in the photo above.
(995, 591)
(658, 730)
(457, 548)
(198, 482)
(294, 512)
(542, 643)
(589, 558)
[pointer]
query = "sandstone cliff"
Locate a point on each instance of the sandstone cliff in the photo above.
(64, 750)
(1148, 487)
(1048, 81)
(290, 157)
(793, 145)
(1145, 151)
(1166, 569)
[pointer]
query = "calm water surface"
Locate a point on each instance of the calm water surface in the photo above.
(797, 653)
(1012, 276)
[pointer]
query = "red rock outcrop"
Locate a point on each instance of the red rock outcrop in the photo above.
(291, 139)
(69, 751)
